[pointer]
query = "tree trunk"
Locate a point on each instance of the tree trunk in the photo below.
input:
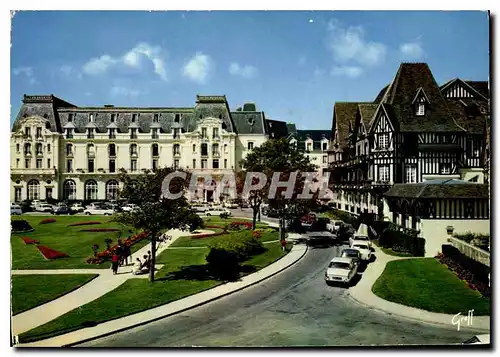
(281, 229)
(254, 219)
(153, 257)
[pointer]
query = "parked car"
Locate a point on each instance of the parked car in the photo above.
(129, 207)
(15, 209)
(44, 207)
(244, 204)
(231, 204)
(309, 219)
(97, 210)
(334, 225)
(478, 340)
(364, 238)
(217, 211)
(200, 207)
(77, 207)
(341, 270)
(35, 203)
(63, 210)
(363, 247)
(354, 254)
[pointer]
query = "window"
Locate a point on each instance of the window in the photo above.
(27, 163)
(225, 163)
(445, 169)
(91, 190)
(90, 165)
(18, 148)
(154, 133)
(383, 173)
(69, 190)
(133, 149)
(325, 159)
(27, 149)
(216, 133)
(309, 147)
(250, 145)
(215, 150)
(18, 194)
(155, 164)
(383, 141)
(33, 190)
(420, 109)
(225, 148)
(133, 165)
(69, 165)
(177, 118)
(111, 190)
(176, 164)
(48, 163)
(112, 165)
(90, 134)
(113, 118)
(39, 149)
(133, 133)
(70, 118)
(176, 133)
(134, 118)
(48, 148)
(90, 150)
(204, 149)
(204, 133)
(38, 132)
(27, 131)
(155, 118)
(48, 192)
(91, 118)
(112, 150)
(215, 163)
(411, 174)
(69, 133)
(155, 150)
(17, 163)
(69, 149)
(194, 148)
(203, 163)
(177, 149)
(325, 146)
(112, 133)
(194, 163)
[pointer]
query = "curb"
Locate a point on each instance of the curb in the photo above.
(33, 344)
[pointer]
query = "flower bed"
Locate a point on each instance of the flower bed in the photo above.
(30, 241)
(108, 253)
(237, 225)
(101, 230)
(49, 253)
(208, 235)
(84, 223)
(47, 220)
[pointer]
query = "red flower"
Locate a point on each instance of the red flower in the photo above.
(47, 220)
(30, 241)
(49, 253)
(84, 223)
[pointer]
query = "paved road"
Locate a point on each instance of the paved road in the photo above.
(294, 308)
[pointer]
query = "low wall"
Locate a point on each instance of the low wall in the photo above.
(471, 251)
(435, 234)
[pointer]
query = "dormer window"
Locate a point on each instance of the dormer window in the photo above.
(176, 133)
(134, 118)
(309, 147)
(69, 133)
(91, 118)
(70, 118)
(155, 118)
(177, 118)
(112, 133)
(133, 133)
(154, 133)
(90, 133)
(113, 118)
(420, 109)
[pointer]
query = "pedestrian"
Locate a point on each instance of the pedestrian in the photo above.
(126, 254)
(283, 244)
(115, 260)
(120, 252)
(149, 257)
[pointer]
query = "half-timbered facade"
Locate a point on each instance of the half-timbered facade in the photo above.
(413, 131)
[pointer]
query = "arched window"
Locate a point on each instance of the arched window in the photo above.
(112, 150)
(69, 149)
(111, 190)
(90, 150)
(155, 151)
(133, 149)
(90, 190)
(27, 148)
(177, 149)
(69, 190)
(38, 148)
(33, 190)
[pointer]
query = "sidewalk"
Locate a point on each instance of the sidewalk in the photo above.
(114, 326)
(362, 294)
(94, 289)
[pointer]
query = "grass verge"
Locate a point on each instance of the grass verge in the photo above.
(426, 284)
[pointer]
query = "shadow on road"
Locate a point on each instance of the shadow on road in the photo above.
(205, 272)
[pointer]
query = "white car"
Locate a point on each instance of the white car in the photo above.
(478, 340)
(216, 211)
(77, 207)
(200, 207)
(363, 247)
(341, 270)
(44, 207)
(15, 209)
(98, 210)
(360, 237)
(232, 205)
(35, 203)
(334, 225)
(130, 207)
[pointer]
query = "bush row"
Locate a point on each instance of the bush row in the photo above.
(401, 242)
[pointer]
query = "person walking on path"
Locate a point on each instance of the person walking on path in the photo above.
(283, 244)
(126, 254)
(115, 261)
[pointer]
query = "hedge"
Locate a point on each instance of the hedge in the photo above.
(402, 242)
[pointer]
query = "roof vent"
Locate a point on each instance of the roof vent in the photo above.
(249, 107)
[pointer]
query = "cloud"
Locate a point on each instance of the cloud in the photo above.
(245, 71)
(121, 91)
(133, 58)
(26, 71)
(70, 71)
(198, 67)
(412, 50)
(348, 71)
(349, 45)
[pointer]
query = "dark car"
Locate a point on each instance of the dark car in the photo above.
(63, 210)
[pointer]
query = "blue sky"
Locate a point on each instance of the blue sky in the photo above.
(293, 64)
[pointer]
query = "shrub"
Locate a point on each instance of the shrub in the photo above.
(47, 220)
(95, 249)
(243, 244)
(402, 242)
(84, 223)
(49, 253)
(224, 215)
(101, 230)
(223, 264)
(20, 225)
(108, 242)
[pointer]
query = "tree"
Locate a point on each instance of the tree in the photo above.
(278, 156)
(156, 211)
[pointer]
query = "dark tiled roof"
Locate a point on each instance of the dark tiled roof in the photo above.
(409, 78)
(381, 94)
(467, 113)
(367, 112)
(481, 86)
(443, 189)
(315, 135)
(276, 129)
(344, 115)
(249, 122)
(292, 129)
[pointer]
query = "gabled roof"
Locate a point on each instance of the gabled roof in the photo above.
(482, 87)
(479, 88)
(443, 188)
(367, 112)
(381, 94)
(344, 116)
(420, 92)
(467, 112)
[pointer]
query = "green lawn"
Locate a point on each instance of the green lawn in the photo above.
(69, 240)
(426, 284)
(29, 291)
(183, 274)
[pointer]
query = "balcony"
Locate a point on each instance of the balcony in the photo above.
(39, 138)
(31, 171)
(27, 153)
(177, 154)
(69, 153)
(216, 154)
(216, 138)
(204, 154)
(133, 154)
(39, 153)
